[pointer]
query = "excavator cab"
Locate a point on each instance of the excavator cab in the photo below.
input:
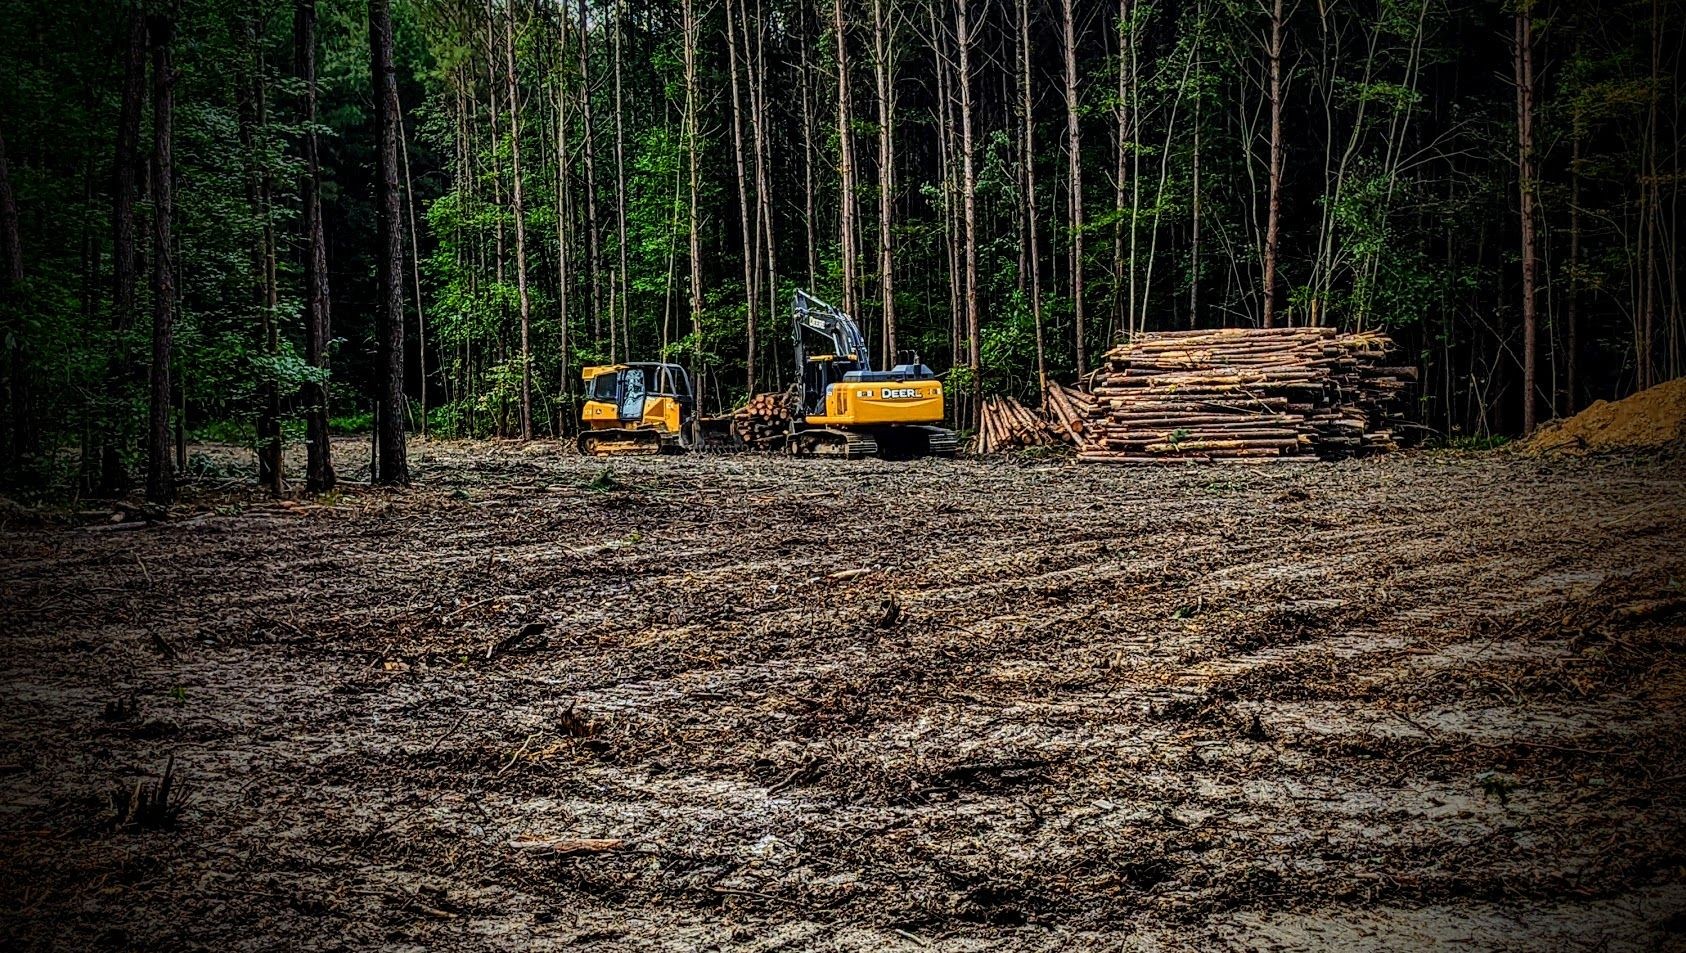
(636, 408)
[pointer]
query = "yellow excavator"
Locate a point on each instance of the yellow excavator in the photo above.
(637, 408)
(849, 410)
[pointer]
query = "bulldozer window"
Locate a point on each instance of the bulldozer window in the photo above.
(603, 387)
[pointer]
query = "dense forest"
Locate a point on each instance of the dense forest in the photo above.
(278, 219)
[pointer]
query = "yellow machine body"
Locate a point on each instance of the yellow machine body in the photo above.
(881, 403)
(634, 408)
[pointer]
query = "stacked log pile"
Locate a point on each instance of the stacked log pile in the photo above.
(1259, 395)
(764, 422)
(1006, 424)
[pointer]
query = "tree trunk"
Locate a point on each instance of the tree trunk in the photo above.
(594, 263)
(974, 348)
(620, 175)
(752, 298)
(393, 468)
(845, 159)
(1028, 151)
(565, 382)
(1074, 152)
(114, 476)
(520, 214)
(808, 161)
(763, 187)
(319, 462)
(253, 119)
(883, 67)
(1273, 214)
(690, 27)
(1571, 320)
(1524, 63)
(1122, 308)
(160, 472)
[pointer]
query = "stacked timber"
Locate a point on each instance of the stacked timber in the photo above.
(764, 421)
(1259, 395)
(1006, 424)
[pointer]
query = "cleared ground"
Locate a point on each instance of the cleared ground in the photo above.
(771, 704)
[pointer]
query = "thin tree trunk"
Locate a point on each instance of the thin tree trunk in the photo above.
(1652, 206)
(883, 47)
(1571, 320)
(566, 383)
(974, 348)
(160, 472)
(620, 176)
(845, 159)
(1273, 215)
(1524, 57)
(1194, 183)
(415, 279)
(1074, 152)
(1028, 151)
(520, 213)
(319, 463)
(393, 467)
(752, 300)
(253, 119)
(763, 189)
(690, 28)
(808, 161)
(1122, 310)
(114, 476)
(594, 264)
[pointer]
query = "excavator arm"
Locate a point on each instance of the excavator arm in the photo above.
(817, 317)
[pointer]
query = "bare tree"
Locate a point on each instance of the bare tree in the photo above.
(319, 461)
(1524, 65)
(520, 214)
(1273, 215)
(1028, 151)
(690, 42)
(751, 254)
(160, 473)
(1074, 153)
(845, 158)
(114, 477)
(392, 463)
(974, 349)
(883, 75)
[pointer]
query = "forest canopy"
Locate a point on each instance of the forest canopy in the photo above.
(1006, 187)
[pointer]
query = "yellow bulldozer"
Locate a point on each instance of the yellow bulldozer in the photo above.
(637, 408)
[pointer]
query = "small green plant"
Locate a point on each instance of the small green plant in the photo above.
(1475, 443)
(179, 695)
(1496, 785)
(1178, 436)
(604, 481)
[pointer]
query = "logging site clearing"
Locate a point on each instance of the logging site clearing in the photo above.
(756, 702)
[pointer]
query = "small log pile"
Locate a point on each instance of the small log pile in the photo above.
(763, 422)
(1248, 394)
(1006, 424)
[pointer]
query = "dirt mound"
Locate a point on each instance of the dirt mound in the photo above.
(1651, 421)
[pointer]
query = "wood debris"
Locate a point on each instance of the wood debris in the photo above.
(1006, 424)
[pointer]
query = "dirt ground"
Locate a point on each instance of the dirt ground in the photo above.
(756, 703)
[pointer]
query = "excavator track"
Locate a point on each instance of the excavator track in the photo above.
(941, 442)
(829, 442)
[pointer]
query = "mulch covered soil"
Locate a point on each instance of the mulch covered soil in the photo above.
(771, 704)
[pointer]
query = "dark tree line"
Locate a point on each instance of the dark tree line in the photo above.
(499, 193)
